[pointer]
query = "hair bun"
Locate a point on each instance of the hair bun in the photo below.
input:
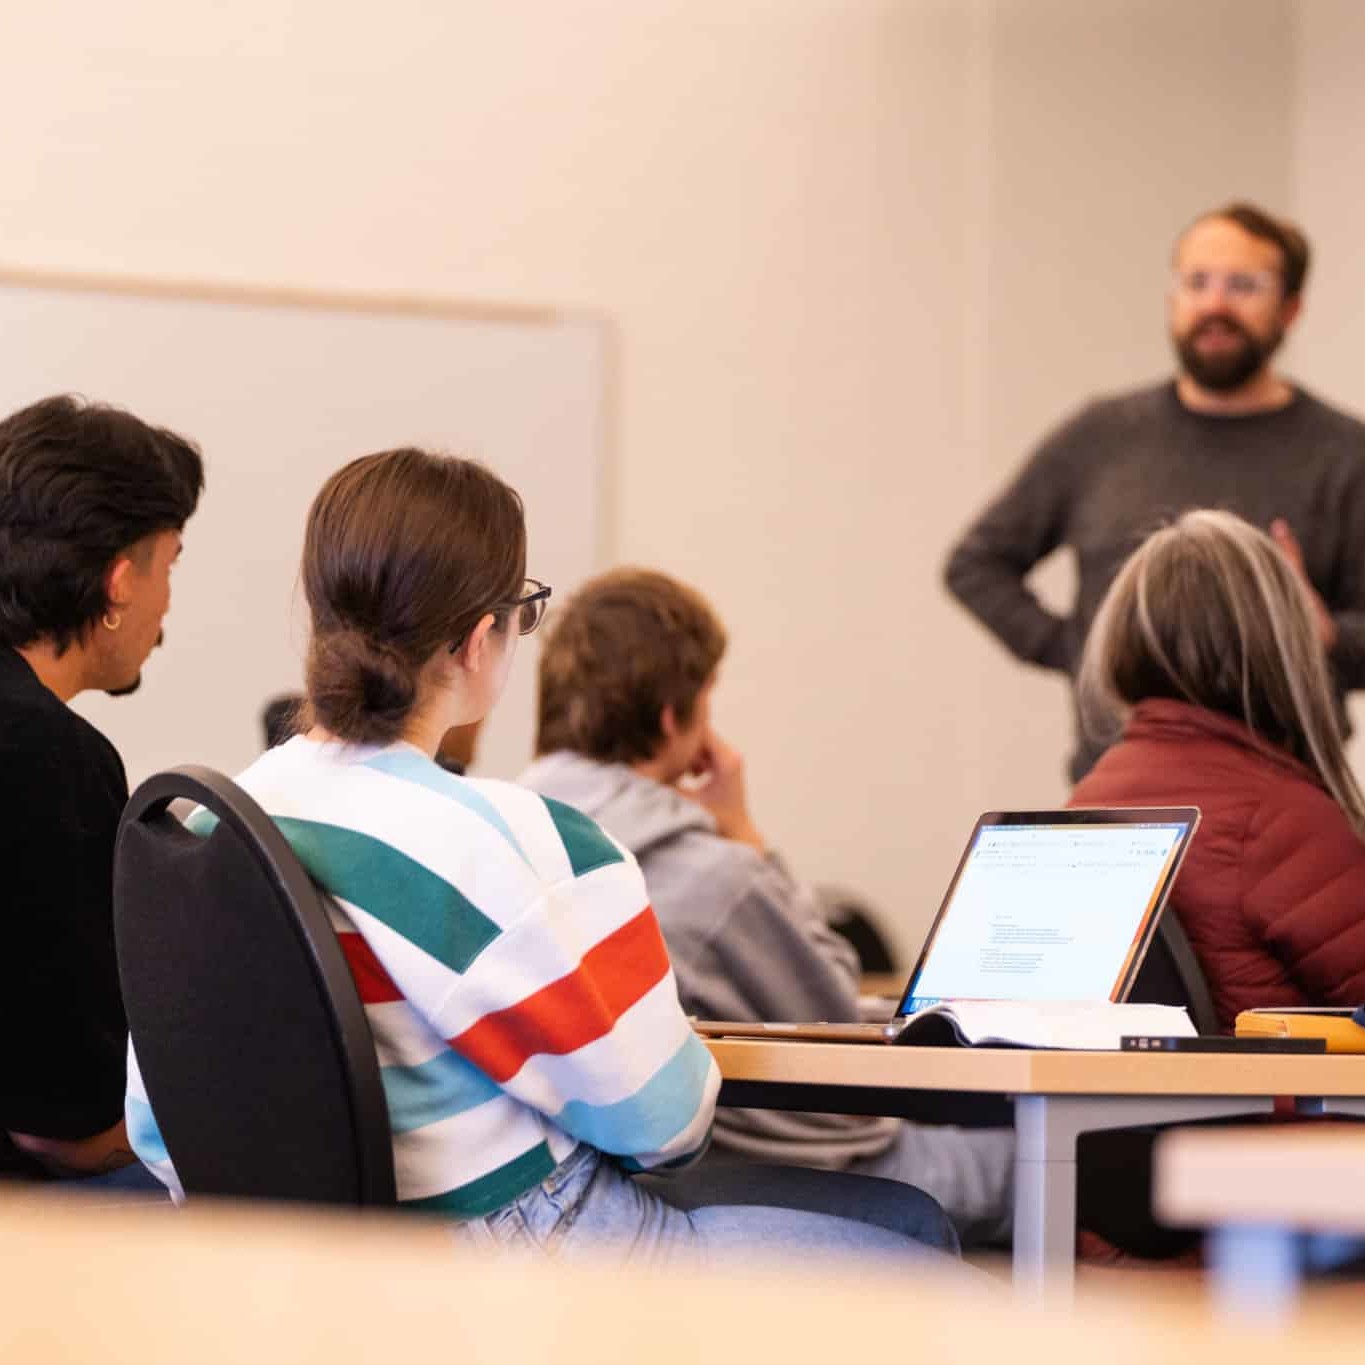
(360, 688)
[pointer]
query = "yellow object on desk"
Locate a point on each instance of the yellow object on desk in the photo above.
(1342, 1033)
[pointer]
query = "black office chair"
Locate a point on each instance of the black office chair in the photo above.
(250, 1036)
(1171, 975)
(850, 916)
(1114, 1182)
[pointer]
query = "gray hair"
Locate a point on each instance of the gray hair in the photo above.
(1209, 611)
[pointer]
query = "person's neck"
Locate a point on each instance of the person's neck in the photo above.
(65, 674)
(1265, 391)
(426, 727)
(434, 718)
(320, 734)
(657, 769)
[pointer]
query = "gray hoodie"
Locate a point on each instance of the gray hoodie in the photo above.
(747, 941)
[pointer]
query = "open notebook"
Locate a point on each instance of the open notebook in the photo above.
(1039, 938)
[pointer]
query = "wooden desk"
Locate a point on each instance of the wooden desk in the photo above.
(1257, 1190)
(1057, 1096)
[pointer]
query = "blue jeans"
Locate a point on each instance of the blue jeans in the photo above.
(132, 1179)
(587, 1205)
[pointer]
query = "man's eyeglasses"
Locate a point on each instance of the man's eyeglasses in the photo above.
(1236, 284)
(530, 606)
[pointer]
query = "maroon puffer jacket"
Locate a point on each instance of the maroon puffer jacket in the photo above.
(1272, 894)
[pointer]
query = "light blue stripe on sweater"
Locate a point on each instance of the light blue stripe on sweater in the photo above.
(143, 1132)
(439, 1089)
(656, 1113)
(415, 767)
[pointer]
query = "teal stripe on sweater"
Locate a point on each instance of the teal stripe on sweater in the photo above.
(489, 1192)
(438, 1089)
(587, 847)
(417, 768)
(655, 1114)
(202, 822)
(633, 1167)
(398, 891)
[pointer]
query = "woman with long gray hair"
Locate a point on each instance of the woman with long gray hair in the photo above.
(1206, 651)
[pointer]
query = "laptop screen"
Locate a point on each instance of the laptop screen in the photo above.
(1051, 906)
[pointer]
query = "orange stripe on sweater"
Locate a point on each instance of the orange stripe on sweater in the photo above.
(575, 1010)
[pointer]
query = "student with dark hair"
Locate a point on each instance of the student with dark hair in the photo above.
(625, 735)
(523, 1006)
(92, 503)
(1229, 430)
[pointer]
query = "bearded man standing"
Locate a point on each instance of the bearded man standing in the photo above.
(1228, 431)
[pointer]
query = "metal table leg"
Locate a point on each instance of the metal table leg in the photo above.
(1046, 1127)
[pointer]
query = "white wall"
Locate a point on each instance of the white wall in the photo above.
(1112, 126)
(1329, 193)
(859, 253)
(1328, 197)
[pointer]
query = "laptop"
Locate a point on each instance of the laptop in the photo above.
(1045, 906)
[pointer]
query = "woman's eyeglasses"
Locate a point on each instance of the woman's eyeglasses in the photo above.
(530, 606)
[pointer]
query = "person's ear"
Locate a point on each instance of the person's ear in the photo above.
(668, 723)
(1290, 310)
(476, 652)
(118, 582)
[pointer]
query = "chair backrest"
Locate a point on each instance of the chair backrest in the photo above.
(850, 916)
(1171, 975)
(250, 1035)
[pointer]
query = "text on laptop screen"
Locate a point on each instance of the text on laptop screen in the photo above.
(1046, 912)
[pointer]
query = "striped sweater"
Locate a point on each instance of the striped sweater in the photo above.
(511, 968)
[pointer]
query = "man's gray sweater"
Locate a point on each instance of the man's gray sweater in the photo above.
(1123, 466)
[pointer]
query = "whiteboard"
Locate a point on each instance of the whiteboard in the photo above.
(279, 391)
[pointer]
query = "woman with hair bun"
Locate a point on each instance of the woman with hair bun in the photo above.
(533, 1050)
(1208, 647)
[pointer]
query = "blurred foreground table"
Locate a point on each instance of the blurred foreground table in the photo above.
(1260, 1192)
(216, 1285)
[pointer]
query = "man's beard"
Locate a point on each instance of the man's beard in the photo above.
(1229, 370)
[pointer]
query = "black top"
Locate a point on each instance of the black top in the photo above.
(63, 1036)
(1121, 467)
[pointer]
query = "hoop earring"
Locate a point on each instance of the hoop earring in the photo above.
(111, 620)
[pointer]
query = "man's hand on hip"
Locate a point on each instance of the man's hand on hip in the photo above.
(1290, 548)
